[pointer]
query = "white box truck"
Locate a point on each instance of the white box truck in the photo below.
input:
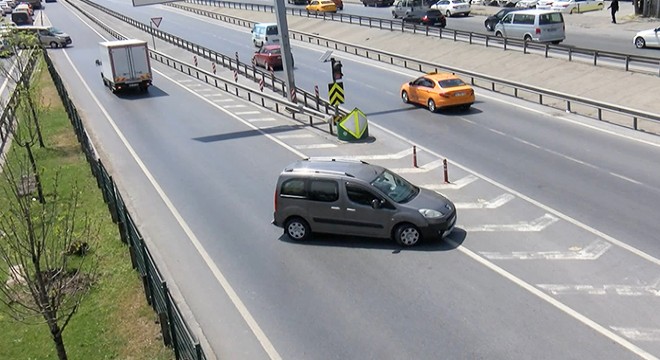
(125, 64)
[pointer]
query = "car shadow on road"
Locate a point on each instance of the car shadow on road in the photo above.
(248, 133)
(455, 239)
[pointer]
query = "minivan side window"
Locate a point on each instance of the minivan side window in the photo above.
(293, 188)
(359, 195)
(525, 19)
(507, 18)
(271, 30)
(551, 18)
(323, 190)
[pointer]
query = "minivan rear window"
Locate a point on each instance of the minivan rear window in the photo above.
(551, 18)
(271, 30)
(293, 187)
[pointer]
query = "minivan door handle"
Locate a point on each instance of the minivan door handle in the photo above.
(350, 209)
(335, 208)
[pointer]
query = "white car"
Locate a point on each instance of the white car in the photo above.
(6, 9)
(452, 7)
(647, 38)
(544, 4)
(577, 6)
(527, 4)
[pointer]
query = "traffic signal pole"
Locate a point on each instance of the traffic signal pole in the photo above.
(285, 45)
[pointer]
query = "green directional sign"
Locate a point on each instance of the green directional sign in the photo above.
(336, 93)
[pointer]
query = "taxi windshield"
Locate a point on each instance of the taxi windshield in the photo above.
(395, 187)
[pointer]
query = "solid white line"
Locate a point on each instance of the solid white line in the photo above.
(638, 334)
(295, 136)
(222, 100)
(261, 120)
(229, 290)
(626, 178)
(233, 106)
(247, 112)
(556, 303)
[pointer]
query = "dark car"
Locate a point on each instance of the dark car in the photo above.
(429, 17)
(377, 3)
(492, 20)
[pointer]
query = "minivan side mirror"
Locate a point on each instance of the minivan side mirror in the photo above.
(97, 62)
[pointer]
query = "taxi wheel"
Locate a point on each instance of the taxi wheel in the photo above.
(431, 105)
(407, 235)
(404, 97)
(297, 229)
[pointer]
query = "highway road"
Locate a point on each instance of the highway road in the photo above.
(592, 36)
(577, 211)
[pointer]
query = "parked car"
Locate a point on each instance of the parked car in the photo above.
(647, 38)
(526, 4)
(577, 6)
(269, 57)
(321, 6)
(452, 7)
(348, 197)
(438, 90)
(544, 4)
(378, 3)
(492, 20)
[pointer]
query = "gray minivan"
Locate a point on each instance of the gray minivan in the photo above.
(404, 9)
(532, 25)
(356, 198)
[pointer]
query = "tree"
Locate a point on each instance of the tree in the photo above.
(45, 266)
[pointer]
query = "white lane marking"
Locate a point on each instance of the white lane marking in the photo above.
(215, 95)
(534, 225)
(591, 252)
(265, 342)
(611, 289)
(496, 131)
(234, 106)
(486, 204)
(261, 120)
(626, 178)
(600, 329)
(556, 303)
(520, 195)
(185, 80)
(295, 136)
(394, 156)
(247, 112)
(458, 184)
(424, 168)
(222, 100)
(315, 146)
(638, 334)
(205, 90)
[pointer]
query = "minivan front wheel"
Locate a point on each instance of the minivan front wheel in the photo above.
(297, 229)
(54, 44)
(407, 235)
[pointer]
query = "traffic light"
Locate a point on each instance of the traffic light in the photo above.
(336, 69)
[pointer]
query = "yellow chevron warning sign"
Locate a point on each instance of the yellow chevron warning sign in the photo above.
(336, 93)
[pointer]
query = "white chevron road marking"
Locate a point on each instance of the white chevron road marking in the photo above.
(591, 252)
(534, 225)
(460, 183)
(394, 156)
(486, 204)
(424, 168)
(638, 334)
(610, 289)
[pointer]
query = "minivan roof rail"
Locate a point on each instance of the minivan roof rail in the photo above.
(334, 159)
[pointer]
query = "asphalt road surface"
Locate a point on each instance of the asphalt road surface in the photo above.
(556, 255)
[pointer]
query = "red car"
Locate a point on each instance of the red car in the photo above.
(268, 56)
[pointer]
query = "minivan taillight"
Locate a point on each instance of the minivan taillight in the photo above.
(538, 31)
(275, 200)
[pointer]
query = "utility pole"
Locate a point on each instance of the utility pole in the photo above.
(285, 45)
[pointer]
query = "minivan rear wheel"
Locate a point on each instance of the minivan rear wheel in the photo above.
(407, 235)
(297, 229)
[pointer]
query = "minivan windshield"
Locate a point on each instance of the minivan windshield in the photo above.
(55, 31)
(395, 187)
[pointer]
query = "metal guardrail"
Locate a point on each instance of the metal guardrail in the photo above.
(518, 90)
(310, 102)
(176, 333)
(628, 62)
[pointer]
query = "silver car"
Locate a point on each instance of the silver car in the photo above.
(356, 198)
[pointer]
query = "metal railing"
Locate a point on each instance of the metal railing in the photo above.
(176, 333)
(518, 90)
(628, 62)
(310, 102)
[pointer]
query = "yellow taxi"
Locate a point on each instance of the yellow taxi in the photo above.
(438, 90)
(321, 6)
